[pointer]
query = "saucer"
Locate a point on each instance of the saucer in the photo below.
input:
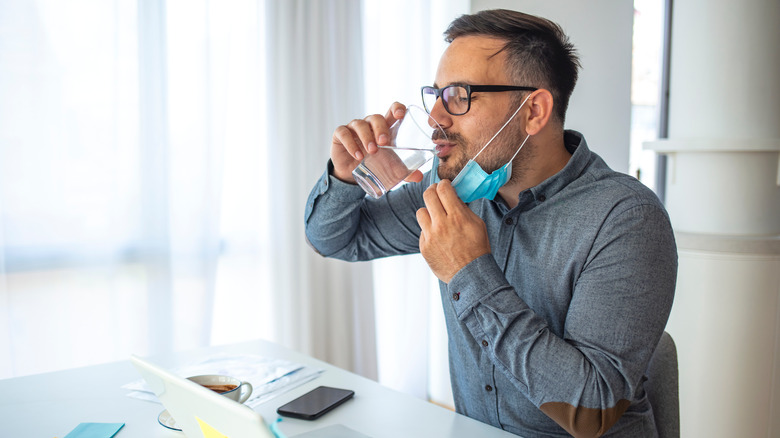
(167, 421)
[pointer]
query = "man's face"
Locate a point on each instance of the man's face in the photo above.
(473, 60)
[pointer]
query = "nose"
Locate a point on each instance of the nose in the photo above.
(440, 115)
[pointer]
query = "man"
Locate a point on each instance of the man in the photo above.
(556, 284)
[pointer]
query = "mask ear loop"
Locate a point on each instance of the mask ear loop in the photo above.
(521, 146)
(502, 128)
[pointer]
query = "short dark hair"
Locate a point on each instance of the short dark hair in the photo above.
(538, 51)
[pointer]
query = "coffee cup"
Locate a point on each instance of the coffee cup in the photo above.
(230, 387)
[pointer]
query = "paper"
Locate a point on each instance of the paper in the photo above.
(95, 430)
(208, 431)
(269, 377)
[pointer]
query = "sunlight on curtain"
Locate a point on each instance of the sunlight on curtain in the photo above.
(121, 228)
(322, 307)
(69, 165)
(147, 204)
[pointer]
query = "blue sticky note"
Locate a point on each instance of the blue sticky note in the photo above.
(95, 430)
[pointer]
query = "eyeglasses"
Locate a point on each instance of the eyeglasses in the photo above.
(457, 98)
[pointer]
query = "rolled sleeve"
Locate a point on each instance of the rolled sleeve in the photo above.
(342, 222)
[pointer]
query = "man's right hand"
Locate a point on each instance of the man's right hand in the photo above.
(351, 142)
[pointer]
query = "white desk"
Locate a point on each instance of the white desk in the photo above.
(51, 405)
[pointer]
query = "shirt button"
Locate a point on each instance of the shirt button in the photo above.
(509, 221)
(488, 388)
(484, 343)
(456, 296)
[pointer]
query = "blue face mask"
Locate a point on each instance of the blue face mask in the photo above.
(473, 183)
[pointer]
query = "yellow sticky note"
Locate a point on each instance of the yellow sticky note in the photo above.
(208, 431)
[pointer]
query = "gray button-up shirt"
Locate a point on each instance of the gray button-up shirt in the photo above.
(552, 331)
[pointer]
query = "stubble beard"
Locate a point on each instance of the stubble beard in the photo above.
(455, 161)
(490, 162)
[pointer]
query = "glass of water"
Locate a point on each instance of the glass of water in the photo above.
(411, 146)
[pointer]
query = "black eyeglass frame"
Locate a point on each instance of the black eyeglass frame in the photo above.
(469, 89)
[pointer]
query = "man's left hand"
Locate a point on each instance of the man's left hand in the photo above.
(452, 235)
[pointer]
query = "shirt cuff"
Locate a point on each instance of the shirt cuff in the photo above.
(337, 190)
(474, 282)
(341, 191)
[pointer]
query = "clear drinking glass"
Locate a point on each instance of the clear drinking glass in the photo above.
(411, 146)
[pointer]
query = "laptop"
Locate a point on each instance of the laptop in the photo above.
(198, 411)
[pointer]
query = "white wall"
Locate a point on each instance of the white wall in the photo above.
(602, 31)
(723, 196)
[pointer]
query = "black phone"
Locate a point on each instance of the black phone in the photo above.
(315, 403)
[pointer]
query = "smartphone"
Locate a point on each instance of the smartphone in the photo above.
(315, 403)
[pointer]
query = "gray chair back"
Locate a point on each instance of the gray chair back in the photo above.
(662, 388)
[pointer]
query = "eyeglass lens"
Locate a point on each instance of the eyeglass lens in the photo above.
(455, 99)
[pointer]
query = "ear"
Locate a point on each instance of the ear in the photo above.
(540, 104)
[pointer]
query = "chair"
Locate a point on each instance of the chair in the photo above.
(662, 388)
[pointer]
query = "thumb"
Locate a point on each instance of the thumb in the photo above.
(416, 176)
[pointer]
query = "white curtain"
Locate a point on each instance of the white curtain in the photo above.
(323, 307)
(78, 248)
(132, 179)
(155, 158)
(403, 43)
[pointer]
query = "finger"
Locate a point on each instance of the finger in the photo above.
(396, 112)
(423, 219)
(448, 197)
(344, 136)
(432, 202)
(392, 116)
(415, 176)
(368, 129)
(380, 131)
